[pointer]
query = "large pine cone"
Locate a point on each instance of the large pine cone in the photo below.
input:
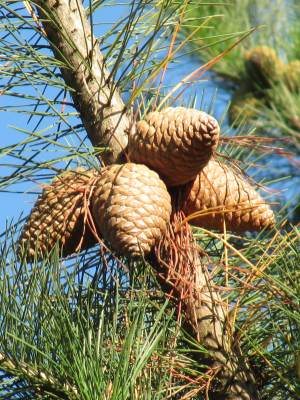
(176, 143)
(220, 193)
(131, 207)
(58, 217)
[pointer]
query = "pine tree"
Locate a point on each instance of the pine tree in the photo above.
(205, 314)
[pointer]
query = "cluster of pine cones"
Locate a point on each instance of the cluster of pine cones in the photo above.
(264, 71)
(128, 206)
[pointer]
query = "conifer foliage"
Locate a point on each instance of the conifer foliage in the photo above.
(134, 275)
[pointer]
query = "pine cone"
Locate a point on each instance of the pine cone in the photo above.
(221, 193)
(291, 76)
(131, 207)
(176, 143)
(58, 217)
(263, 66)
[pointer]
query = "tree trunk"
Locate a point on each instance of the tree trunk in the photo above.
(104, 116)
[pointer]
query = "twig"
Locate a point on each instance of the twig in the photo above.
(43, 383)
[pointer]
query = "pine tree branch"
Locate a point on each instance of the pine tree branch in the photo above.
(42, 383)
(101, 109)
(187, 281)
(208, 323)
(103, 114)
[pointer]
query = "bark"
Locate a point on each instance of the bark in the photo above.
(102, 110)
(106, 122)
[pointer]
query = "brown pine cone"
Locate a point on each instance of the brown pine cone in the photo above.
(176, 143)
(131, 207)
(58, 216)
(220, 193)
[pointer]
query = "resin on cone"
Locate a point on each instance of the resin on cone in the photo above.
(176, 143)
(219, 193)
(59, 217)
(131, 207)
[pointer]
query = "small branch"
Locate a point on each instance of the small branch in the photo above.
(102, 111)
(42, 382)
(183, 276)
